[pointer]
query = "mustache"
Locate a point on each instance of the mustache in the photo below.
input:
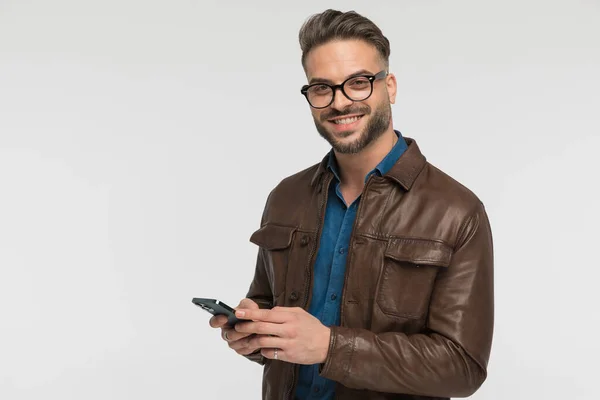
(366, 110)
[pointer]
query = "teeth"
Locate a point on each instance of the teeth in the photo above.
(346, 120)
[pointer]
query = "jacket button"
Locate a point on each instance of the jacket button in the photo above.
(294, 296)
(304, 241)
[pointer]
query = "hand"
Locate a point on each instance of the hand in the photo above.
(297, 336)
(236, 340)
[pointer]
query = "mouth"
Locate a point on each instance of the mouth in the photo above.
(345, 122)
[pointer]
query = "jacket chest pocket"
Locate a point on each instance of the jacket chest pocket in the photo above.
(276, 242)
(408, 274)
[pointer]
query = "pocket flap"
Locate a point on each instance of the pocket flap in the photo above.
(419, 251)
(273, 237)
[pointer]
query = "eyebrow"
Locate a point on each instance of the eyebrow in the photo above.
(325, 80)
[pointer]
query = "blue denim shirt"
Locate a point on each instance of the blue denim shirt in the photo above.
(330, 266)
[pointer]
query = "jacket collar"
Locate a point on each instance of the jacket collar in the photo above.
(404, 171)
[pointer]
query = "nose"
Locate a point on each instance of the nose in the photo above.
(340, 101)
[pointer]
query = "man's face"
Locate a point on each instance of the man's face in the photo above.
(350, 126)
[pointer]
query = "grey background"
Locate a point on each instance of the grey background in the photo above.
(139, 139)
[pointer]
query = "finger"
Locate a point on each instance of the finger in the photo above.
(217, 321)
(246, 348)
(234, 335)
(245, 351)
(243, 345)
(261, 328)
(274, 316)
(274, 354)
(251, 344)
(262, 341)
(248, 303)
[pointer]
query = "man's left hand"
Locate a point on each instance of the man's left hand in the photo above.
(291, 333)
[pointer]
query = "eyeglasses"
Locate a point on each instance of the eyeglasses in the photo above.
(356, 88)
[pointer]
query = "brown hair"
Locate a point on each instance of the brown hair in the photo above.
(336, 25)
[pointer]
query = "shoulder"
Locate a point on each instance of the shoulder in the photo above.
(292, 193)
(440, 184)
(448, 201)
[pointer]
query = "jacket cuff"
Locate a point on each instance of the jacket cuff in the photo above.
(339, 357)
(257, 357)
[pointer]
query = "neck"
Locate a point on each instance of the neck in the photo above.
(354, 167)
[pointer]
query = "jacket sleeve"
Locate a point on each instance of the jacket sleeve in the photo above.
(450, 358)
(260, 290)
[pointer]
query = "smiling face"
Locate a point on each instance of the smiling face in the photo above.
(350, 126)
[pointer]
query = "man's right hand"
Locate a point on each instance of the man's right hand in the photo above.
(238, 341)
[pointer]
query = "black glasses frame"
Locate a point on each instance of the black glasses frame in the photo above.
(371, 78)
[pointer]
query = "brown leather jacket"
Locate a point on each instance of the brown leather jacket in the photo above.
(418, 301)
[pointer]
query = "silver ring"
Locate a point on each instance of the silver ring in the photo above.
(226, 335)
(275, 354)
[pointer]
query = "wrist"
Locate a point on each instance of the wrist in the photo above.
(325, 345)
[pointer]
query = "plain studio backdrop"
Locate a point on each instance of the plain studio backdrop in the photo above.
(139, 140)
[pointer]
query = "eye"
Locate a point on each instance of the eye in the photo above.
(359, 83)
(319, 89)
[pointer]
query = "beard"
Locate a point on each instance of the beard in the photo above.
(378, 123)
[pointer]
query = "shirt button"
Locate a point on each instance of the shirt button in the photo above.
(333, 296)
(341, 251)
(294, 296)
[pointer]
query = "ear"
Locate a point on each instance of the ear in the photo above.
(392, 87)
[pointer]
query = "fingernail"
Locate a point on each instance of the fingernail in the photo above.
(240, 313)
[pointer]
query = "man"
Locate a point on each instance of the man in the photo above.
(374, 277)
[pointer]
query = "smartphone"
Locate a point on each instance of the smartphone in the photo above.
(217, 307)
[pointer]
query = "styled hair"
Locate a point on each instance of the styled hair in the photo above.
(333, 25)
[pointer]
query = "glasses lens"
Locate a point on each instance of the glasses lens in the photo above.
(358, 88)
(319, 95)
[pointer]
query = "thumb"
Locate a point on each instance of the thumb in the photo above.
(249, 304)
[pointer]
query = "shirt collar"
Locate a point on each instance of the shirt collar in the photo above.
(384, 165)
